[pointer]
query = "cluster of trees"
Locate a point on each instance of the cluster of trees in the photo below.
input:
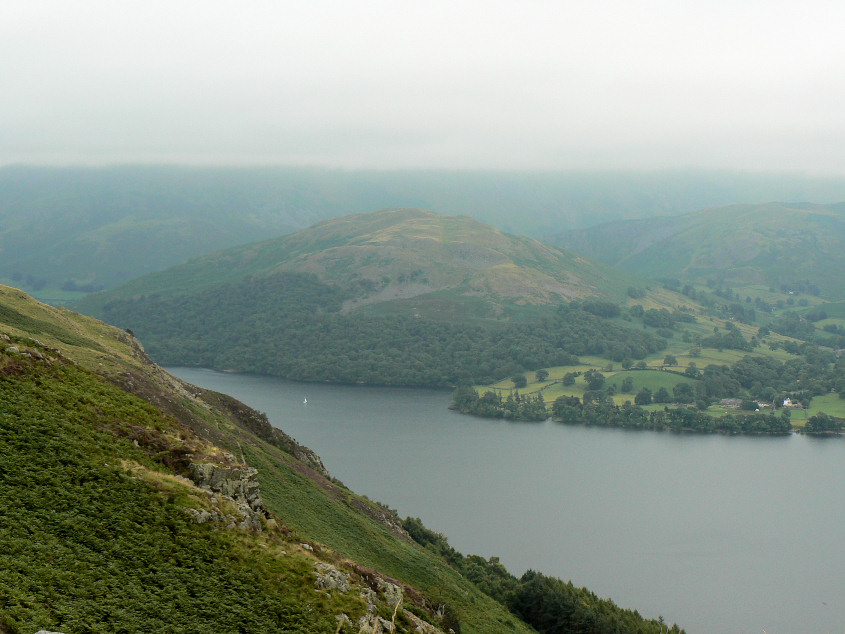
(291, 325)
(801, 286)
(548, 604)
(731, 339)
(601, 309)
(491, 405)
(753, 379)
(90, 287)
(660, 318)
(29, 281)
(681, 393)
(801, 327)
(596, 410)
(769, 380)
(823, 423)
(794, 325)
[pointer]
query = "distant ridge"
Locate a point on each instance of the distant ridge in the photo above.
(773, 244)
(65, 231)
(395, 254)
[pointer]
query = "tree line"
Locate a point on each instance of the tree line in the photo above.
(492, 405)
(291, 325)
(604, 412)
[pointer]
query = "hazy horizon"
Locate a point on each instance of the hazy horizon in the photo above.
(469, 86)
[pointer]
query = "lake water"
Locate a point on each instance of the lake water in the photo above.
(720, 534)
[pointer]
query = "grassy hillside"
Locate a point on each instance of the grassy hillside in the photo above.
(66, 231)
(101, 529)
(105, 526)
(398, 254)
(394, 297)
(797, 247)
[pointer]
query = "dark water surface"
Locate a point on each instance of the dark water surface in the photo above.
(721, 534)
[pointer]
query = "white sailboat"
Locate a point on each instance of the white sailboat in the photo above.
(305, 401)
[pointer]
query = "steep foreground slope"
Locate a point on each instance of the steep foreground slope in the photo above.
(134, 502)
(396, 297)
(775, 244)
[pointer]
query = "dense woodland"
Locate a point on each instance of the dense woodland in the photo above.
(292, 326)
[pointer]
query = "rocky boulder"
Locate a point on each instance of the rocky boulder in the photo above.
(239, 484)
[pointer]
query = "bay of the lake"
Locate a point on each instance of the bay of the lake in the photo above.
(717, 533)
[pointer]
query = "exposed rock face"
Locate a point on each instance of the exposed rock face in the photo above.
(420, 626)
(371, 624)
(240, 484)
(390, 591)
(237, 484)
(310, 458)
(330, 578)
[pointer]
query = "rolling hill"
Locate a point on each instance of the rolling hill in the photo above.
(135, 502)
(65, 232)
(789, 246)
(400, 254)
(396, 297)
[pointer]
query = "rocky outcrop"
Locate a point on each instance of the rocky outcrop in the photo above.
(372, 624)
(330, 578)
(306, 455)
(420, 626)
(391, 593)
(257, 423)
(238, 484)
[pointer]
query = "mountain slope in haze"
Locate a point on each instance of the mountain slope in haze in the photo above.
(394, 297)
(67, 231)
(398, 254)
(135, 502)
(774, 244)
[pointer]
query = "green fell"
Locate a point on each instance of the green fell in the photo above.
(795, 247)
(394, 297)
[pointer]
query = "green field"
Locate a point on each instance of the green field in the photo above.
(658, 376)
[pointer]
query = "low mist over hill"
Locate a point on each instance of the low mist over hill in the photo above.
(786, 246)
(399, 254)
(68, 231)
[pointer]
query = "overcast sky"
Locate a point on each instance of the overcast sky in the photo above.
(460, 84)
